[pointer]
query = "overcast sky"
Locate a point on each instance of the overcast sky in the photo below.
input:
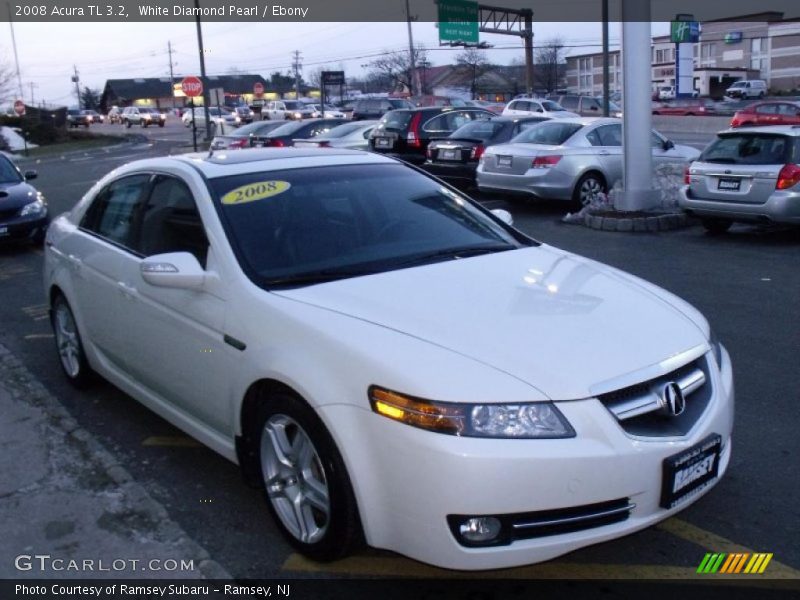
(48, 51)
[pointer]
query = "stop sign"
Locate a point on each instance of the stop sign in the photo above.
(258, 89)
(192, 86)
(19, 107)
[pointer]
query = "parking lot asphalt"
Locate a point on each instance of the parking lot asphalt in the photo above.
(745, 282)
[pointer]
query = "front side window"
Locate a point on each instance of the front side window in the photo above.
(304, 226)
(170, 221)
(112, 212)
(8, 172)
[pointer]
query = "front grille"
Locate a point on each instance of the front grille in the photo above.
(642, 410)
(8, 214)
(543, 523)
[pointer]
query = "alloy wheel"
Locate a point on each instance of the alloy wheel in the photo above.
(67, 340)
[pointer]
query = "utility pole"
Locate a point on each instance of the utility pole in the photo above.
(172, 75)
(76, 80)
(412, 56)
(33, 85)
(605, 59)
(297, 66)
(202, 72)
(14, 44)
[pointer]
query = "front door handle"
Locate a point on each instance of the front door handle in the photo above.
(126, 290)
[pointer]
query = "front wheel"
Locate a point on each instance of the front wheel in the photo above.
(304, 479)
(69, 345)
(128, 124)
(717, 226)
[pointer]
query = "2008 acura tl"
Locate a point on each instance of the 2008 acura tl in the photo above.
(385, 356)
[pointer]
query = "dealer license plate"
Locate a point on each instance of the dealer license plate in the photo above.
(449, 154)
(503, 161)
(383, 142)
(688, 472)
(729, 185)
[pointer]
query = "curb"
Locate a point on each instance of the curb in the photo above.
(666, 222)
(23, 386)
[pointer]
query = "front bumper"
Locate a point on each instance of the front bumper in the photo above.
(407, 481)
(783, 206)
(23, 228)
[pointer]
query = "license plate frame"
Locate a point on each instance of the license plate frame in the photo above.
(449, 154)
(504, 161)
(384, 142)
(688, 472)
(728, 184)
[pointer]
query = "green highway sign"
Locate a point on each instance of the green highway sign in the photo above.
(458, 21)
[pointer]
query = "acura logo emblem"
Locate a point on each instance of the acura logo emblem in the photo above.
(672, 399)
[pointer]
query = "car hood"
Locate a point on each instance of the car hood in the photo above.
(16, 195)
(567, 326)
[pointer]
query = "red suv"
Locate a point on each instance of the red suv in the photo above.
(768, 113)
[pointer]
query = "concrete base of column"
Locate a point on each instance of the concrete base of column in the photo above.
(637, 199)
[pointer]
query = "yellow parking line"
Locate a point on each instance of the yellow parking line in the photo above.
(716, 543)
(172, 441)
(386, 566)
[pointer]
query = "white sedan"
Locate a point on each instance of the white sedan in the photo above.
(382, 355)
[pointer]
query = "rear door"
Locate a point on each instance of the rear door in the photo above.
(741, 167)
(606, 140)
(767, 114)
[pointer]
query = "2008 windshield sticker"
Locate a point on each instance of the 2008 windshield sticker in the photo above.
(258, 190)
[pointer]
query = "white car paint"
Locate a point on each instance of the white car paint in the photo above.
(532, 324)
(522, 107)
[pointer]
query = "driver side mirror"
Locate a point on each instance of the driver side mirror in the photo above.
(668, 144)
(503, 215)
(30, 175)
(174, 270)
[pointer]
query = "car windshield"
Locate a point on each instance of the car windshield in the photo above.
(395, 119)
(752, 149)
(739, 84)
(257, 127)
(482, 129)
(293, 105)
(304, 226)
(343, 130)
(8, 173)
(287, 128)
(552, 106)
(551, 133)
(400, 104)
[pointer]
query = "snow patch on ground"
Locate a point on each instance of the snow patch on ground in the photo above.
(16, 142)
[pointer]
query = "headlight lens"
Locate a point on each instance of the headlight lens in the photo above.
(716, 347)
(36, 207)
(520, 421)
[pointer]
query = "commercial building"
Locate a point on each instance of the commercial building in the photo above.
(757, 46)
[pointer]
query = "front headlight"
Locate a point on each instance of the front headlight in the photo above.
(520, 420)
(37, 207)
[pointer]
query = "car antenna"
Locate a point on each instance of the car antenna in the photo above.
(210, 152)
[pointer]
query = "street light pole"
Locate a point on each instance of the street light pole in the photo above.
(202, 71)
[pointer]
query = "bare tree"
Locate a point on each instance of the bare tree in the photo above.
(549, 61)
(473, 62)
(395, 67)
(7, 82)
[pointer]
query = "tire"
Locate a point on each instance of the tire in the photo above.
(39, 237)
(284, 427)
(591, 182)
(161, 124)
(128, 124)
(69, 345)
(717, 226)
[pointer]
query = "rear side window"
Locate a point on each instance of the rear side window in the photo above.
(481, 130)
(395, 119)
(606, 135)
(752, 149)
(550, 133)
(569, 102)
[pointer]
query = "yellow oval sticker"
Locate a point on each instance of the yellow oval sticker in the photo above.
(255, 191)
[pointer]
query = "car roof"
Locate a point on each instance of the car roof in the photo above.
(223, 164)
(585, 121)
(792, 130)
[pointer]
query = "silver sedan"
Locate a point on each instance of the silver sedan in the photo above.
(353, 136)
(567, 159)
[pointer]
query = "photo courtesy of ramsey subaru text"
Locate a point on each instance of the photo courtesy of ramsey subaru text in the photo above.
(389, 361)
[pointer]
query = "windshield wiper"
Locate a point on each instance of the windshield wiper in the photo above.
(322, 276)
(454, 253)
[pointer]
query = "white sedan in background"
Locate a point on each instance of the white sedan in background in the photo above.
(567, 159)
(382, 355)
